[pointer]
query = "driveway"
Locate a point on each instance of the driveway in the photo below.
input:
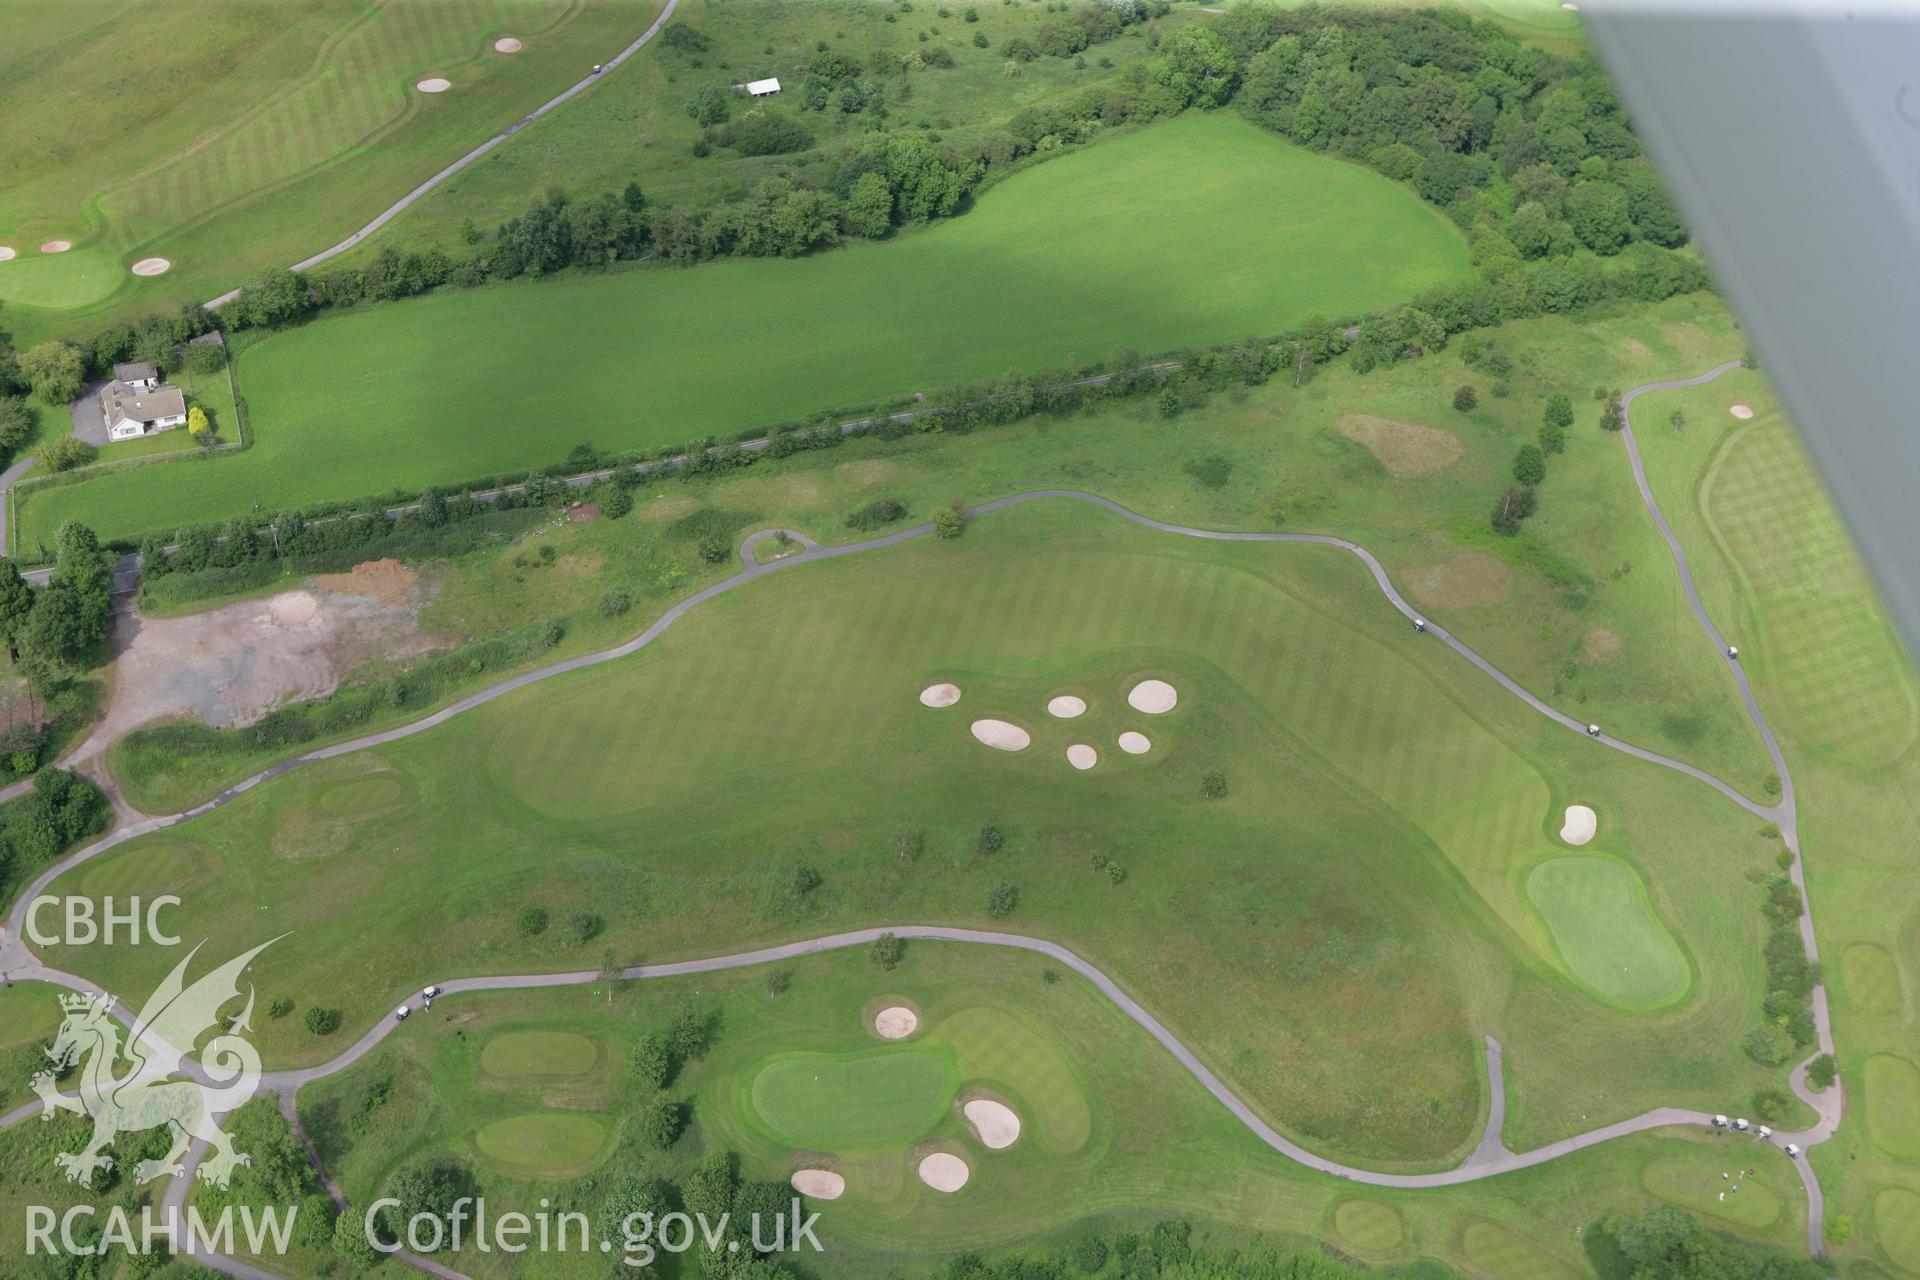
(89, 420)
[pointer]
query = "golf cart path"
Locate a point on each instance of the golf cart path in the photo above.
(405, 202)
(1489, 1158)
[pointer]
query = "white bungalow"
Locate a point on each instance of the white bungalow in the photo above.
(764, 88)
(131, 411)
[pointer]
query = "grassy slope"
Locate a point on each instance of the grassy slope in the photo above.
(1056, 265)
(1157, 1144)
(1779, 574)
(277, 132)
(1386, 803)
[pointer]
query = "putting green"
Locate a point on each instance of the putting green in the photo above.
(993, 1046)
(1896, 1221)
(1499, 1252)
(28, 1011)
(1693, 1181)
(360, 795)
(1869, 978)
(539, 1053)
(840, 1101)
(1607, 933)
(1893, 1104)
(552, 1143)
(1369, 1225)
(60, 280)
(142, 868)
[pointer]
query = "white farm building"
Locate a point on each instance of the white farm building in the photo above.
(764, 88)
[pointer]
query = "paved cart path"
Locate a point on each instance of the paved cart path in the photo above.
(1490, 1158)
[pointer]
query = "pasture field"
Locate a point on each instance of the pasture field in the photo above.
(1778, 572)
(1155, 1142)
(1362, 883)
(281, 129)
(1583, 608)
(1053, 267)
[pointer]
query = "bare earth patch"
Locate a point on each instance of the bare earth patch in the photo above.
(668, 506)
(585, 512)
(1636, 347)
(1407, 450)
(1598, 646)
(867, 472)
(1471, 580)
(230, 666)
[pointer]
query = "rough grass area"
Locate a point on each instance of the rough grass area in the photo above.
(1053, 267)
(1893, 1104)
(550, 1144)
(1370, 1226)
(1408, 450)
(1869, 978)
(1360, 879)
(539, 1053)
(1506, 1256)
(1605, 930)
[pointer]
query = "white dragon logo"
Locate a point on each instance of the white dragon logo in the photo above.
(162, 1039)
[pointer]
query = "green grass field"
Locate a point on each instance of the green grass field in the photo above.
(1870, 979)
(1503, 1255)
(1893, 1104)
(1896, 1221)
(1055, 266)
(539, 1053)
(248, 137)
(545, 1144)
(892, 1095)
(1369, 1225)
(1692, 1179)
(1360, 886)
(1606, 931)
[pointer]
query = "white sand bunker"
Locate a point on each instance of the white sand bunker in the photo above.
(434, 84)
(508, 44)
(1066, 706)
(1741, 411)
(1579, 824)
(1570, 6)
(994, 1122)
(56, 246)
(895, 1023)
(1153, 697)
(1001, 735)
(1082, 756)
(151, 267)
(6, 253)
(818, 1184)
(940, 695)
(944, 1172)
(1135, 744)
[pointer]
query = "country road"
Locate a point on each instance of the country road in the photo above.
(1489, 1158)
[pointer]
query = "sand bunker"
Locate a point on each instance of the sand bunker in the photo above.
(1407, 450)
(1135, 744)
(1155, 697)
(151, 267)
(434, 84)
(1471, 580)
(1001, 735)
(944, 1172)
(508, 44)
(6, 253)
(1066, 706)
(895, 1023)
(940, 695)
(1579, 824)
(1082, 756)
(56, 246)
(1741, 411)
(817, 1184)
(993, 1122)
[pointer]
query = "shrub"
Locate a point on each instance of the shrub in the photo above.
(1002, 898)
(1553, 439)
(1559, 411)
(777, 983)
(66, 453)
(531, 921)
(1210, 472)
(1838, 1228)
(279, 1008)
(1213, 784)
(1769, 1045)
(687, 1035)
(887, 951)
(615, 501)
(322, 1022)
(908, 845)
(1529, 464)
(1822, 1071)
(763, 133)
(715, 549)
(948, 522)
(584, 926)
(615, 603)
(1771, 1104)
(1514, 506)
(990, 840)
(1464, 399)
(805, 880)
(553, 633)
(876, 513)
(1612, 416)
(661, 1123)
(651, 1063)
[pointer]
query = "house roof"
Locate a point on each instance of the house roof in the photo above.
(769, 85)
(134, 371)
(123, 404)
